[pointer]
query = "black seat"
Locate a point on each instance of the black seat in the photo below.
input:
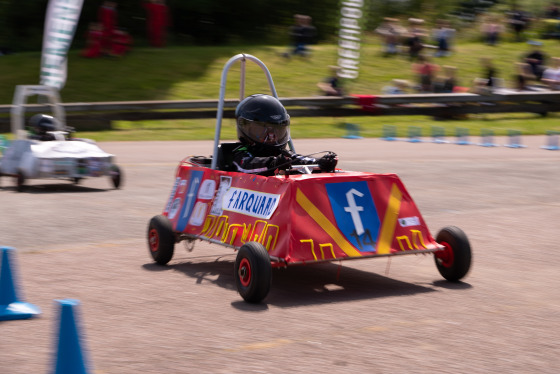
(225, 156)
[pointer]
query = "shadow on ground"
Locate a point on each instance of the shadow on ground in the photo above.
(69, 187)
(301, 285)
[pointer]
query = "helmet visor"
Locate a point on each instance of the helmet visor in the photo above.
(266, 132)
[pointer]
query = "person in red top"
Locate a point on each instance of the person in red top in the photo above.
(121, 43)
(94, 35)
(107, 16)
(426, 72)
(157, 22)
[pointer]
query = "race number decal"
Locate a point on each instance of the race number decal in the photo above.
(190, 198)
(355, 213)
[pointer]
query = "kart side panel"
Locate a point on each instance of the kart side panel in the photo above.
(300, 218)
(356, 215)
(55, 159)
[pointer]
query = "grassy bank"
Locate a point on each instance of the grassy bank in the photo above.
(528, 124)
(182, 73)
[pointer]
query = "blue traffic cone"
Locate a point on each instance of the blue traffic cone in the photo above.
(69, 357)
(10, 307)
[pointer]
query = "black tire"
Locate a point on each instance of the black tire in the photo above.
(116, 176)
(454, 262)
(161, 239)
(20, 181)
(76, 180)
(253, 272)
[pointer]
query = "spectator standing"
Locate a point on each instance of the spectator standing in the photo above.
(157, 22)
(518, 21)
(309, 33)
(415, 38)
(551, 75)
(491, 30)
(107, 16)
(390, 33)
(443, 35)
(302, 33)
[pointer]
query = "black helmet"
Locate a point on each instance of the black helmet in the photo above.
(42, 123)
(262, 119)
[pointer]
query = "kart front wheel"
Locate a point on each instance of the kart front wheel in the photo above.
(253, 272)
(116, 176)
(20, 181)
(161, 239)
(454, 262)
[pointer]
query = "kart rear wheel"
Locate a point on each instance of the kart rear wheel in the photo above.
(161, 239)
(454, 262)
(116, 176)
(253, 272)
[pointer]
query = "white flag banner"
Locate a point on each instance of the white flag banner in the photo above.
(60, 26)
(349, 37)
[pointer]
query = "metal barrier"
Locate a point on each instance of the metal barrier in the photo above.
(436, 105)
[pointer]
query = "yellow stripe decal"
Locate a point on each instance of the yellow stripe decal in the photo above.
(325, 224)
(390, 221)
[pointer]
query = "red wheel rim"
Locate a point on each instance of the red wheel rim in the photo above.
(153, 240)
(445, 257)
(244, 272)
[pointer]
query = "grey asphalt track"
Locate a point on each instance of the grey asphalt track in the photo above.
(87, 242)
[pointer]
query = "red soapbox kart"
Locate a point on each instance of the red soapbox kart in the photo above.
(303, 216)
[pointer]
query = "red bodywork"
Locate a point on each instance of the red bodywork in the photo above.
(299, 218)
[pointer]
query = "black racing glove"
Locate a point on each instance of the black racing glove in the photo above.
(328, 162)
(281, 162)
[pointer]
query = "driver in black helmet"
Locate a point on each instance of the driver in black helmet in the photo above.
(41, 126)
(263, 127)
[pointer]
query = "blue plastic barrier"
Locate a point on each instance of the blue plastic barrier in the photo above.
(552, 140)
(487, 138)
(462, 136)
(438, 135)
(414, 134)
(389, 133)
(352, 131)
(514, 139)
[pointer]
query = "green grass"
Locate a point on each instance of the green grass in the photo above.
(184, 73)
(528, 124)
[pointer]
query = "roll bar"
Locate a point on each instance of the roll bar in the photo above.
(243, 58)
(18, 110)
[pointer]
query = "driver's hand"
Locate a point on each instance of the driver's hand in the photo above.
(281, 162)
(328, 162)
